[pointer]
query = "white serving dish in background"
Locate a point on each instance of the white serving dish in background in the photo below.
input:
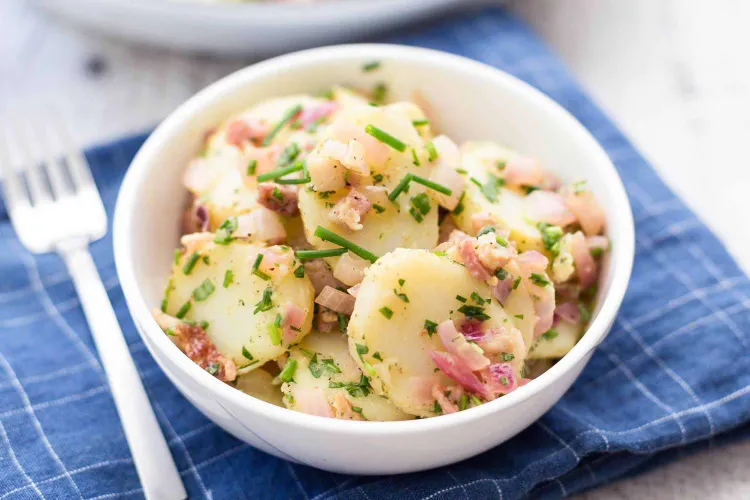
(245, 28)
(469, 101)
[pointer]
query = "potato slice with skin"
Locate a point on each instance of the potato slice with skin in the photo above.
(259, 384)
(559, 345)
(331, 353)
(391, 345)
(389, 225)
(229, 310)
(480, 159)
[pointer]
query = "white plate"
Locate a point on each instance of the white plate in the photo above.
(246, 28)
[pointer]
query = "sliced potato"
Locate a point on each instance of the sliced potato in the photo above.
(389, 225)
(233, 325)
(480, 160)
(557, 346)
(387, 336)
(259, 384)
(323, 360)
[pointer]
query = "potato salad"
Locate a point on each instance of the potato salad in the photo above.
(343, 259)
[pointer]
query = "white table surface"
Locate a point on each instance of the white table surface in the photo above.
(674, 74)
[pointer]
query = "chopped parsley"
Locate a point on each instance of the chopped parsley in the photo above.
(318, 368)
(596, 252)
(290, 367)
(378, 178)
(436, 408)
(379, 93)
(288, 155)
(299, 272)
(430, 326)
(490, 187)
(551, 236)
(213, 368)
(246, 354)
(506, 356)
(477, 298)
(377, 356)
(473, 312)
(461, 299)
(203, 290)
(485, 230)
(343, 322)
(421, 202)
(550, 334)
(501, 274)
(401, 282)
(361, 349)
(500, 164)
(379, 209)
(401, 296)
(359, 389)
(386, 311)
(190, 264)
(265, 303)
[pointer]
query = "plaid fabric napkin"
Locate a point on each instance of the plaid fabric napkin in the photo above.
(673, 375)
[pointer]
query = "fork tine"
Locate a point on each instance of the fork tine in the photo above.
(15, 193)
(51, 147)
(37, 185)
(78, 166)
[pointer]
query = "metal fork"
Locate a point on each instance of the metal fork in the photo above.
(54, 205)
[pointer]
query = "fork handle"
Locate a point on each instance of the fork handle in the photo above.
(153, 461)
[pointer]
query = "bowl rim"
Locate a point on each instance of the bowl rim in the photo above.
(125, 216)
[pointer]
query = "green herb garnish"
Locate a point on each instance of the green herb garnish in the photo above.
(290, 367)
(252, 165)
(550, 334)
(404, 184)
(183, 310)
(420, 123)
(473, 312)
(299, 272)
(224, 233)
(327, 235)
(286, 117)
(386, 311)
(274, 330)
(385, 138)
(432, 153)
(257, 272)
(202, 292)
(371, 66)
(319, 254)
(538, 279)
(280, 172)
(264, 304)
(190, 264)
(430, 326)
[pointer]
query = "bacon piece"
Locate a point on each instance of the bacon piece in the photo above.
(311, 114)
(586, 209)
(261, 224)
(294, 317)
(454, 368)
(568, 311)
(375, 152)
(585, 264)
(492, 255)
(501, 379)
(195, 343)
(336, 300)
(502, 289)
(282, 199)
(456, 344)
(351, 210)
(241, 131)
(326, 320)
(438, 392)
(531, 261)
(549, 207)
(523, 171)
(320, 275)
(344, 409)
(312, 401)
(469, 255)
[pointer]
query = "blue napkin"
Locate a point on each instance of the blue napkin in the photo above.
(672, 376)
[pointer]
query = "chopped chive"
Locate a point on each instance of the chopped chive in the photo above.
(327, 235)
(287, 374)
(319, 254)
(463, 402)
(190, 264)
(519, 316)
(501, 241)
(477, 298)
(177, 254)
(361, 349)
(378, 208)
(246, 354)
(184, 308)
(501, 274)
(550, 334)
(257, 272)
(474, 312)
(476, 400)
(167, 293)
(224, 233)
(206, 259)
(274, 330)
(415, 158)
(288, 155)
(516, 283)
(379, 93)
(432, 153)
(371, 66)
(280, 172)
(485, 230)
(430, 326)
(460, 206)
(265, 303)
(401, 296)
(252, 165)
(377, 178)
(170, 332)
(500, 164)
(286, 117)
(538, 279)
(228, 278)
(301, 180)
(461, 299)
(299, 272)
(385, 138)
(202, 292)
(417, 216)
(422, 203)
(203, 324)
(386, 311)
(404, 183)
(420, 123)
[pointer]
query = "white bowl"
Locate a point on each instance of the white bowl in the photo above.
(244, 28)
(470, 101)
